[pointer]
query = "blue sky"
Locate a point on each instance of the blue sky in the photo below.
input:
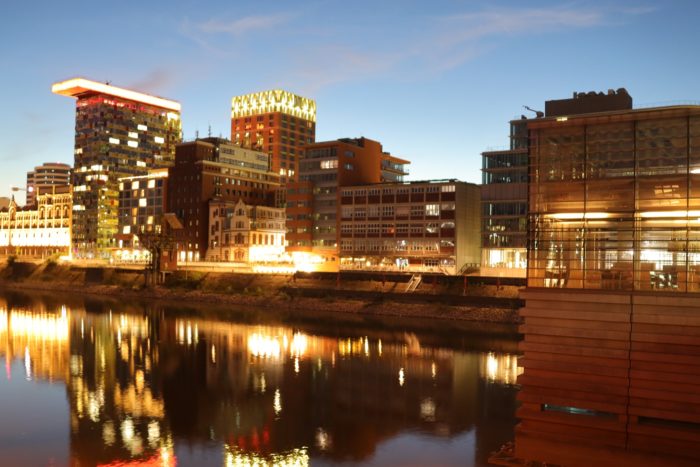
(436, 82)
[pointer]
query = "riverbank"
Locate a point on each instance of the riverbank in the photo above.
(281, 292)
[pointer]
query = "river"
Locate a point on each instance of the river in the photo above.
(91, 381)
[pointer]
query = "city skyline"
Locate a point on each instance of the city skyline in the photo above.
(436, 85)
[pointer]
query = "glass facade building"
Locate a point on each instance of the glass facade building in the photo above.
(504, 206)
(614, 200)
(118, 133)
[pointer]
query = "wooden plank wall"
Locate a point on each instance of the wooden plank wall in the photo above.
(610, 378)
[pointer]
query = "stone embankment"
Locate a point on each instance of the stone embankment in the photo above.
(438, 297)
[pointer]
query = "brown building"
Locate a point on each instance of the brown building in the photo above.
(213, 168)
(313, 210)
(611, 363)
(276, 122)
(45, 176)
(411, 226)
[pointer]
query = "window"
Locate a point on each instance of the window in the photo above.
(348, 167)
(432, 209)
(329, 164)
(448, 206)
(373, 229)
(373, 211)
(387, 211)
(447, 188)
(417, 210)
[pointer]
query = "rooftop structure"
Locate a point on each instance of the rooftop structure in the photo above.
(78, 87)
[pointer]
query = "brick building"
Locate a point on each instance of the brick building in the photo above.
(313, 206)
(213, 168)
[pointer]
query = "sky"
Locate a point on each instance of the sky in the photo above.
(436, 82)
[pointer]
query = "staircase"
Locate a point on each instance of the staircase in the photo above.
(413, 283)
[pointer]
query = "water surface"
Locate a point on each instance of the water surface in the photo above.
(90, 382)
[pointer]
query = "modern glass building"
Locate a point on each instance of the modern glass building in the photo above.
(504, 206)
(611, 367)
(615, 200)
(118, 133)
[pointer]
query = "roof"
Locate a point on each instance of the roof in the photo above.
(75, 87)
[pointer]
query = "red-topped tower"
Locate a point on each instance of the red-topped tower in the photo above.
(118, 133)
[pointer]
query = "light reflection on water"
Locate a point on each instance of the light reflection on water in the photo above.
(141, 387)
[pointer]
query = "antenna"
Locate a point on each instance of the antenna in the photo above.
(209, 133)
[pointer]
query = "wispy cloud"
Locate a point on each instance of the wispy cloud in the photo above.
(446, 42)
(245, 25)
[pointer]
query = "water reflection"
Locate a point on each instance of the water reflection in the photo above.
(140, 386)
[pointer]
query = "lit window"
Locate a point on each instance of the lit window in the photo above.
(140, 164)
(432, 209)
(151, 183)
(133, 134)
(143, 202)
(329, 164)
(142, 127)
(126, 229)
(135, 185)
(133, 144)
(114, 140)
(159, 139)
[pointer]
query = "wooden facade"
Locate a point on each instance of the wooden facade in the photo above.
(610, 378)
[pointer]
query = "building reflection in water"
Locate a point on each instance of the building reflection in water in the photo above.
(139, 384)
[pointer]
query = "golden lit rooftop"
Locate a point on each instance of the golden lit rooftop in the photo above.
(275, 100)
(76, 86)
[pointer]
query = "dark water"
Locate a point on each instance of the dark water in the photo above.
(111, 383)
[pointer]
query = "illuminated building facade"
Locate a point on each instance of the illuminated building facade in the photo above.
(208, 169)
(142, 203)
(40, 231)
(45, 176)
(614, 202)
(245, 233)
(411, 226)
(118, 133)
(278, 123)
(504, 206)
(611, 330)
(313, 208)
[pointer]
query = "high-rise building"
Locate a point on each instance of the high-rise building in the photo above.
(276, 122)
(313, 203)
(44, 177)
(118, 133)
(504, 206)
(211, 169)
